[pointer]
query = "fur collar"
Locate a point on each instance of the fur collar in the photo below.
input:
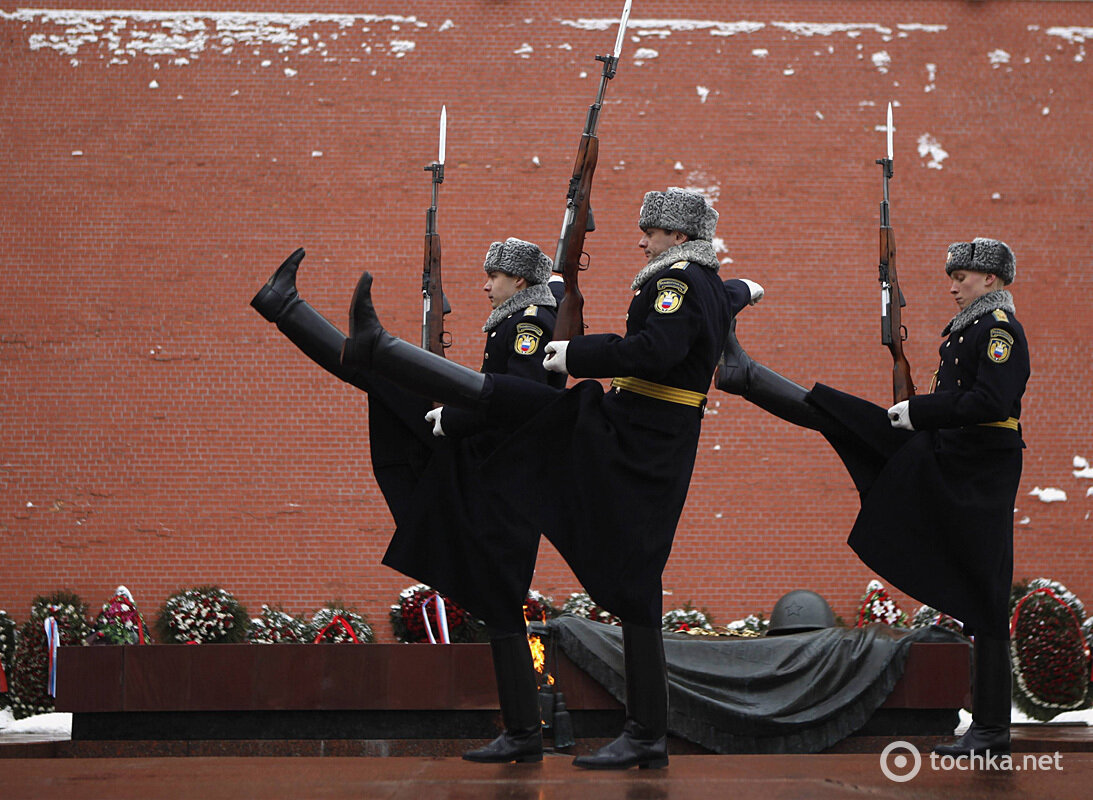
(537, 295)
(696, 251)
(982, 305)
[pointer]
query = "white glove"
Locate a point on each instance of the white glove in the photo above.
(555, 356)
(434, 417)
(756, 291)
(900, 415)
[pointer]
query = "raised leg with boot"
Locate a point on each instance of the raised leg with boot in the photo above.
(518, 693)
(643, 742)
(738, 374)
(991, 687)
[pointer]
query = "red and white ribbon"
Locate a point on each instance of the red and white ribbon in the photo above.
(441, 619)
(53, 639)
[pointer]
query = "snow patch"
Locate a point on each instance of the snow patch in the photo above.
(1049, 495)
(929, 146)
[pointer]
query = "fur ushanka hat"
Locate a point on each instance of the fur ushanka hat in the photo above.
(520, 259)
(982, 255)
(679, 210)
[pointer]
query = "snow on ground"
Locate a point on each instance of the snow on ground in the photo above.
(59, 725)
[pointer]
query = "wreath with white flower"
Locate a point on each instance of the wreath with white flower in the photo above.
(410, 624)
(686, 619)
(1049, 649)
(539, 608)
(277, 626)
(877, 606)
(579, 604)
(202, 615)
(336, 623)
(926, 616)
(750, 626)
(29, 678)
(119, 622)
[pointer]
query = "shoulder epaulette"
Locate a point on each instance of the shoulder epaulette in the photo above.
(531, 310)
(679, 265)
(1000, 315)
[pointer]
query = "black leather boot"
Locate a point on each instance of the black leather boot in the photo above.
(738, 374)
(990, 728)
(643, 742)
(518, 693)
(370, 347)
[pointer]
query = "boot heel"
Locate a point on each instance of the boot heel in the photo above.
(654, 763)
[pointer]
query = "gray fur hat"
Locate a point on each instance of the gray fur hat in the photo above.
(520, 259)
(679, 210)
(982, 255)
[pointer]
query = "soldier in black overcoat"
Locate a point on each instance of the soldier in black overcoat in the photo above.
(426, 462)
(603, 474)
(938, 473)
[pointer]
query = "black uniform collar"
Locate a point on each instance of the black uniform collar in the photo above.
(989, 302)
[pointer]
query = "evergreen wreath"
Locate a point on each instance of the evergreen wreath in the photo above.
(926, 616)
(877, 606)
(29, 679)
(202, 615)
(332, 625)
(1049, 651)
(277, 626)
(685, 620)
(408, 622)
(7, 656)
(580, 604)
(119, 622)
(750, 626)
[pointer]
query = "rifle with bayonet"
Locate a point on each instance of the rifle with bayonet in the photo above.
(433, 336)
(570, 257)
(892, 332)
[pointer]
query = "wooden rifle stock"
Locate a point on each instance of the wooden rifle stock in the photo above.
(892, 332)
(433, 336)
(569, 260)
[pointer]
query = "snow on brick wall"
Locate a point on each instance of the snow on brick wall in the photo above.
(158, 165)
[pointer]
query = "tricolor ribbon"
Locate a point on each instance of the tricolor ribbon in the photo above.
(441, 619)
(3, 678)
(53, 638)
(338, 619)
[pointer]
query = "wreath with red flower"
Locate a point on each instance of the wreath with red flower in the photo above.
(337, 623)
(1049, 651)
(580, 604)
(119, 622)
(202, 615)
(29, 678)
(878, 606)
(408, 617)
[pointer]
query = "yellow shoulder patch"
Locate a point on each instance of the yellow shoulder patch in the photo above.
(679, 265)
(669, 295)
(531, 310)
(1000, 315)
(527, 338)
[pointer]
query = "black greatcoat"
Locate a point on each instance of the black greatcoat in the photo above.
(606, 474)
(446, 536)
(936, 518)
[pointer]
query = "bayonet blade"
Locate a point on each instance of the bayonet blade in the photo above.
(444, 132)
(889, 131)
(622, 28)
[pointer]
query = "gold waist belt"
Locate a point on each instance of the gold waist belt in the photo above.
(685, 397)
(1010, 423)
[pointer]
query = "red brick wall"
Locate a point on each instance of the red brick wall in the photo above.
(156, 432)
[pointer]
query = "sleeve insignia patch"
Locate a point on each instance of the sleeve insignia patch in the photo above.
(999, 346)
(669, 295)
(527, 338)
(1000, 315)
